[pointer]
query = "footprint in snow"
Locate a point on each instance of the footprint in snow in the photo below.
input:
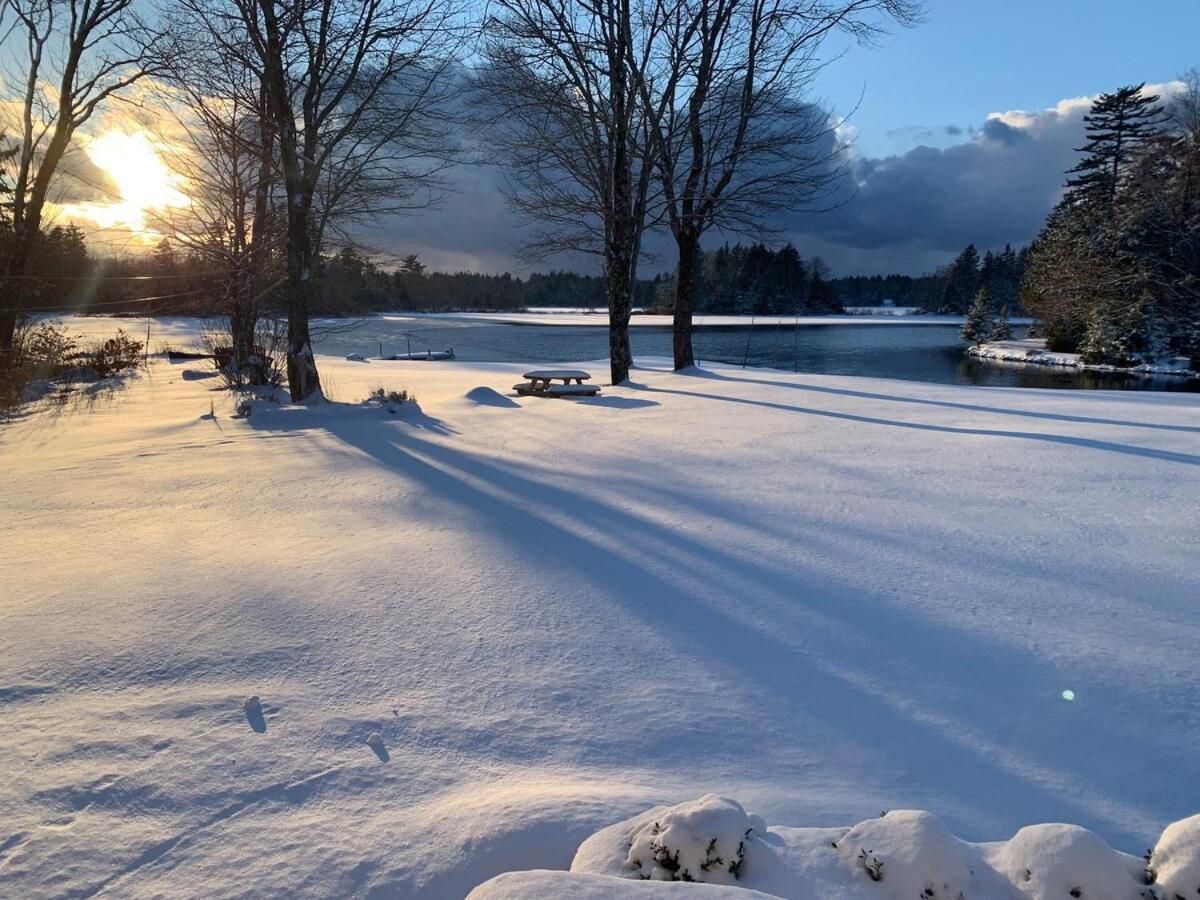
(375, 742)
(254, 714)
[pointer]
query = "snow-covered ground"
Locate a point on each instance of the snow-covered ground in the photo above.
(1033, 350)
(822, 596)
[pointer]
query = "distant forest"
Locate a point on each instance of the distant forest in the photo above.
(739, 279)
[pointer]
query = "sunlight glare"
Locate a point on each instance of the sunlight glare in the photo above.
(142, 179)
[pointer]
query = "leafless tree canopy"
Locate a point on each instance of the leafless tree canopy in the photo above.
(65, 58)
(353, 92)
(733, 132)
(561, 101)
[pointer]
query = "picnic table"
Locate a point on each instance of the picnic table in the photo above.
(541, 384)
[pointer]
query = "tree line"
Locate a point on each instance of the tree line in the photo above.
(1115, 272)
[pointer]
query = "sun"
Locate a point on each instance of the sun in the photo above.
(144, 184)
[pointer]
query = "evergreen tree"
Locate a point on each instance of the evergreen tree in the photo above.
(962, 282)
(1118, 126)
(980, 323)
(1001, 327)
(821, 296)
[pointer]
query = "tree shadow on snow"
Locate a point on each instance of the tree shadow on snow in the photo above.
(787, 634)
(1070, 440)
(946, 404)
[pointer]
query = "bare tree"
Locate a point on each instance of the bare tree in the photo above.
(68, 58)
(561, 100)
(352, 89)
(733, 134)
(227, 160)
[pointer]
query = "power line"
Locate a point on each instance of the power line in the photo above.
(108, 277)
(59, 309)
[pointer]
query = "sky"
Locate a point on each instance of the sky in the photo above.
(963, 127)
(970, 58)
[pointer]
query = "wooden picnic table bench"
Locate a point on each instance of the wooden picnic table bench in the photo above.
(541, 384)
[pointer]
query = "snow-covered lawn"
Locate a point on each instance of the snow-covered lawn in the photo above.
(823, 596)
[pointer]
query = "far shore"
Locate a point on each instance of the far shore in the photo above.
(599, 319)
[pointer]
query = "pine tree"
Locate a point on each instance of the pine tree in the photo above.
(1118, 126)
(1001, 327)
(980, 321)
(962, 282)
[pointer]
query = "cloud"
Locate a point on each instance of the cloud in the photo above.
(910, 212)
(989, 183)
(914, 211)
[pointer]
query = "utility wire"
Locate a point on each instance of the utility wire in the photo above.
(89, 306)
(106, 277)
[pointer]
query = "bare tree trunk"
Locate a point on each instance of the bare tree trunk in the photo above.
(303, 380)
(619, 294)
(8, 328)
(687, 283)
(15, 284)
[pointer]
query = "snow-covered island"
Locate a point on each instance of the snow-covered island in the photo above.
(1033, 351)
(397, 650)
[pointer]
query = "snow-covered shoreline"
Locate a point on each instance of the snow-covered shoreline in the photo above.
(1033, 351)
(822, 595)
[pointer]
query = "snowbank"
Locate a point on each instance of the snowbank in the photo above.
(1033, 350)
(899, 855)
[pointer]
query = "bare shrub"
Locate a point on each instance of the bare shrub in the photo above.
(383, 395)
(113, 356)
(262, 367)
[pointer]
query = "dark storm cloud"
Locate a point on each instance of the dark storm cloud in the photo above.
(914, 211)
(908, 213)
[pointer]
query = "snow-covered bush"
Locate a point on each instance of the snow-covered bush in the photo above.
(383, 395)
(1174, 863)
(910, 854)
(704, 840)
(901, 855)
(1066, 862)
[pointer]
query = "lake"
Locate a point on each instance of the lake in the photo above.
(932, 353)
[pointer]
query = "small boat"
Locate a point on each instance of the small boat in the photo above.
(423, 354)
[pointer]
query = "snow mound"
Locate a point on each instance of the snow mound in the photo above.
(547, 885)
(901, 855)
(910, 854)
(704, 841)
(1066, 862)
(486, 396)
(1175, 860)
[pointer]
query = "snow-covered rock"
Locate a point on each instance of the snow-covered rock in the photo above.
(1175, 860)
(1066, 862)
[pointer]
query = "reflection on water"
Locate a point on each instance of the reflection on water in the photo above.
(931, 353)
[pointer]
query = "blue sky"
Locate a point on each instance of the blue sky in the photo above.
(933, 172)
(970, 58)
